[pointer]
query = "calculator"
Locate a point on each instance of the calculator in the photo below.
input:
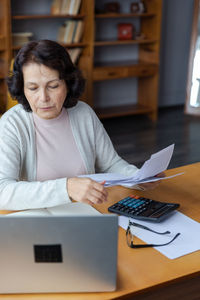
(143, 208)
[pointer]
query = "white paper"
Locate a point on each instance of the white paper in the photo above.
(74, 208)
(188, 241)
(151, 179)
(156, 164)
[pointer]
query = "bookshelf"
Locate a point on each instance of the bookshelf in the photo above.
(143, 68)
(4, 50)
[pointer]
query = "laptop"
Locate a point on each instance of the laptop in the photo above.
(43, 254)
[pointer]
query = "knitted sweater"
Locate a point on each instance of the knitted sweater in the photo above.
(18, 186)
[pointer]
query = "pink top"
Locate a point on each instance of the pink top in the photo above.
(57, 152)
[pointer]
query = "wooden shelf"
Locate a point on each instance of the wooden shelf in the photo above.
(75, 45)
(127, 15)
(122, 110)
(125, 69)
(145, 69)
(2, 43)
(124, 42)
(25, 17)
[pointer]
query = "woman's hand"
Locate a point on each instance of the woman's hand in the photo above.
(86, 190)
(151, 185)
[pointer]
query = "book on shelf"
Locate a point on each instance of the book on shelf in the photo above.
(75, 54)
(74, 7)
(61, 33)
(70, 32)
(65, 7)
(78, 32)
(70, 25)
(56, 7)
(20, 38)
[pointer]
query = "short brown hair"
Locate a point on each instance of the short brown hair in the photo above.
(54, 56)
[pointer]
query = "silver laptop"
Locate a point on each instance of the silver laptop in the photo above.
(58, 254)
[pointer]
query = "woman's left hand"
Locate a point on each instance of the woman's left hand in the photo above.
(151, 185)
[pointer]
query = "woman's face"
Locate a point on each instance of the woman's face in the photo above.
(44, 90)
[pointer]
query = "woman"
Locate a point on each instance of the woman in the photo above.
(50, 137)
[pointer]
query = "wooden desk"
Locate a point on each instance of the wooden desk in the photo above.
(146, 273)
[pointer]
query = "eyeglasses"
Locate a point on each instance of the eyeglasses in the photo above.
(130, 236)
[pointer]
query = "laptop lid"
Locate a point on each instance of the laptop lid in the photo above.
(58, 254)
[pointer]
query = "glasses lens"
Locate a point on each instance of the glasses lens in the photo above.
(129, 237)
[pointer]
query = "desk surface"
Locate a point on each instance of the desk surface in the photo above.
(146, 273)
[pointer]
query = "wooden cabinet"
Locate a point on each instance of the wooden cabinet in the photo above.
(4, 50)
(144, 67)
(128, 69)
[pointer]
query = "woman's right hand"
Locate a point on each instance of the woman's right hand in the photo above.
(86, 190)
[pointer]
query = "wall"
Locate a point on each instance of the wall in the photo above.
(175, 46)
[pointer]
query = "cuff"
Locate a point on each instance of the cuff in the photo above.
(62, 190)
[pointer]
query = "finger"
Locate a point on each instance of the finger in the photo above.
(100, 188)
(91, 184)
(94, 199)
(98, 197)
(103, 182)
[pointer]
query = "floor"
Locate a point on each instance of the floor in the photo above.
(136, 137)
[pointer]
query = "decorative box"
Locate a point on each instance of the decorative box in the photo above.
(125, 31)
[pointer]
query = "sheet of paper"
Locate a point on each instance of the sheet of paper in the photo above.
(186, 243)
(151, 179)
(74, 208)
(156, 164)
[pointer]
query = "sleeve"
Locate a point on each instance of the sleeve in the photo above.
(16, 194)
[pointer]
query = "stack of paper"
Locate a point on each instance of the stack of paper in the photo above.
(157, 163)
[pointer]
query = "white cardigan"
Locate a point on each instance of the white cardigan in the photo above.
(18, 186)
